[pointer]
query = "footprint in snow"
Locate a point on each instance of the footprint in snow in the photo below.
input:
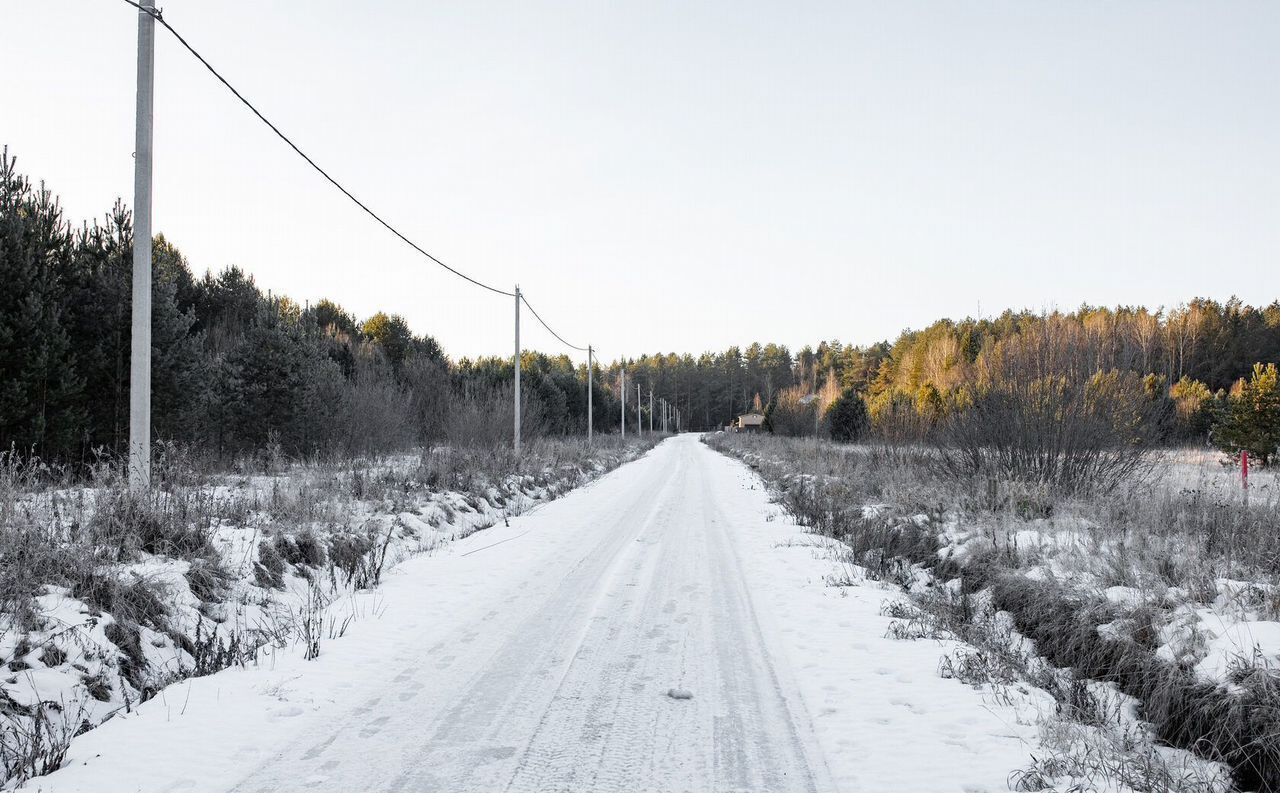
(679, 693)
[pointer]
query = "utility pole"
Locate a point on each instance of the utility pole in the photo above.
(671, 409)
(639, 413)
(590, 417)
(515, 443)
(140, 332)
(650, 410)
(622, 389)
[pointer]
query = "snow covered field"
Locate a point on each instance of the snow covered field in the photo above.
(662, 629)
(1207, 470)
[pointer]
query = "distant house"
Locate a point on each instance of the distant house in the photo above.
(749, 422)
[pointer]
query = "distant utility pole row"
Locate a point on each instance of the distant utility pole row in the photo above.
(668, 416)
(140, 349)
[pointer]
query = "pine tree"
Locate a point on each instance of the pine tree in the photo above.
(281, 385)
(99, 319)
(1251, 419)
(40, 391)
(848, 417)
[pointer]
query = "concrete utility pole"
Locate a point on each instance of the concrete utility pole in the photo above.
(639, 414)
(140, 338)
(651, 411)
(622, 389)
(590, 418)
(516, 437)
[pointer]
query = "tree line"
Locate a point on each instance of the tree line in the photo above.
(1202, 371)
(237, 370)
(234, 370)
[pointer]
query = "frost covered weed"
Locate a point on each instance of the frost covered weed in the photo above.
(38, 744)
(213, 649)
(976, 668)
(1188, 535)
(1073, 758)
(174, 523)
(1092, 740)
(1147, 534)
(1239, 726)
(910, 623)
(309, 620)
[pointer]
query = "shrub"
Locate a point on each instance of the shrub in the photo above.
(1193, 408)
(1055, 432)
(794, 413)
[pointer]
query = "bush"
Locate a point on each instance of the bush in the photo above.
(1055, 432)
(376, 412)
(794, 414)
(1193, 408)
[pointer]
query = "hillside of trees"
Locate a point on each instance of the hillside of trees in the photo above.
(237, 371)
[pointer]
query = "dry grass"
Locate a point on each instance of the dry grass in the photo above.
(1169, 545)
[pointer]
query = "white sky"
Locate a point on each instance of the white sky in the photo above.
(683, 176)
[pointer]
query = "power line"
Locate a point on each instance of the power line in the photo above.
(156, 14)
(544, 324)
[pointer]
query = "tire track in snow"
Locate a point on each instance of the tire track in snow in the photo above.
(533, 657)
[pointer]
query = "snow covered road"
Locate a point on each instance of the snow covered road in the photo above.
(542, 656)
(630, 590)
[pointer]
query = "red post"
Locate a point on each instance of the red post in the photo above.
(1244, 469)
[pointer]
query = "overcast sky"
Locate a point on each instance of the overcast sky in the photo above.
(683, 176)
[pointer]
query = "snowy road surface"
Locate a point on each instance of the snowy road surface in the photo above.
(541, 656)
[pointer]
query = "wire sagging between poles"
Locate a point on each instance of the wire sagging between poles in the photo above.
(157, 16)
(544, 324)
